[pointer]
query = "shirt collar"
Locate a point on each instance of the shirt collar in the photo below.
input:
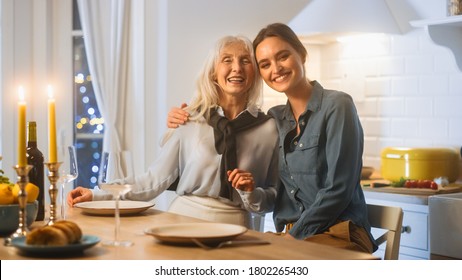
(314, 104)
(253, 110)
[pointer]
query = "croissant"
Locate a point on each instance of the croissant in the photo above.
(59, 234)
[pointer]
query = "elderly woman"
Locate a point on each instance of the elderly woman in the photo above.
(225, 158)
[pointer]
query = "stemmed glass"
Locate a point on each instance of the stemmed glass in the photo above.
(68, 174)
(116, 165)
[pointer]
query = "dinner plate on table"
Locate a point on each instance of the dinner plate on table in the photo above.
(107, 207)
(184, 233)
(86, 242)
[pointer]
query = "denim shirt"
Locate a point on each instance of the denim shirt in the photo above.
(320, 169)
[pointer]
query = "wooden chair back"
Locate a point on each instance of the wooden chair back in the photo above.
(390, 219)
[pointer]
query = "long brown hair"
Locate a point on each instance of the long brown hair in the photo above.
(285, 33)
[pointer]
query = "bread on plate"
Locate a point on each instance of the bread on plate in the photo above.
(61, 233)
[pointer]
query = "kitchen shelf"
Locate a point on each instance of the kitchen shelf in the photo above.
(445, 32)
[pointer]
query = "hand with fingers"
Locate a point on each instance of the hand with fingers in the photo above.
(241, 180)
(177, 116)
(79, 194)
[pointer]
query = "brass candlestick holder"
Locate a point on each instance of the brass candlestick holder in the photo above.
(53, 176)
(23, 179)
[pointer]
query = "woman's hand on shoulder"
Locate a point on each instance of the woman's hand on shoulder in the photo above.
(79, 194)
(177, 116)
(241, 180)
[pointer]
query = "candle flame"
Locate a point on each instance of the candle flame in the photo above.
(50, 92)
(21, 94)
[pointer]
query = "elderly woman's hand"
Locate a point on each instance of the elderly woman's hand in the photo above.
(79, 194)
(241, 180)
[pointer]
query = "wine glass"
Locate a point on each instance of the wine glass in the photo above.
(68, 174)
(116, 166)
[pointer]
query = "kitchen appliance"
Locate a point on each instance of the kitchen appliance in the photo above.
(445, 217)
(419, 163)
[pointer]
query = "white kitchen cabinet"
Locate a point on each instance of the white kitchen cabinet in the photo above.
(445, 32)
(415, 242)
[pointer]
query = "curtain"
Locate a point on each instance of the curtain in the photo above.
(106, 31)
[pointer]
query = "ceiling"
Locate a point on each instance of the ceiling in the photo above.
(245, 17)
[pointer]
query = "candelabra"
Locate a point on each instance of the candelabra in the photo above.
(23, 179)
(53, 177)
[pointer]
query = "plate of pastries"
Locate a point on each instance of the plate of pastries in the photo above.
(62, 237)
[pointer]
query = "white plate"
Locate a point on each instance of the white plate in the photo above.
(204, 232)
(107, 207)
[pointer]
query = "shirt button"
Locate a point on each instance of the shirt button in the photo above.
(292, 177)
(301, 145)
(292, 191)
(302, 123)
(301, 208)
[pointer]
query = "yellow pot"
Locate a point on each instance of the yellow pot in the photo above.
(419, 163)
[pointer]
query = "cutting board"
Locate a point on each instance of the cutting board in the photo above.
(451, 188)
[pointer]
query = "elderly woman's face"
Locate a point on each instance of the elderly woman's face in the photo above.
(234, 71)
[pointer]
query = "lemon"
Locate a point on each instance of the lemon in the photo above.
(6, 194)
(32, 192)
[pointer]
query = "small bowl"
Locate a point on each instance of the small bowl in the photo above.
(9, 217)
(366, 172)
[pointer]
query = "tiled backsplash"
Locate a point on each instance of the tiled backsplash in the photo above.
(408, 90)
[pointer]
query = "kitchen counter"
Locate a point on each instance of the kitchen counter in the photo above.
(415, 235)
(404, 195)
(399, 198)
(415, 243)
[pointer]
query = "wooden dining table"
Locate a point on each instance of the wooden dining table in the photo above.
(146, 247)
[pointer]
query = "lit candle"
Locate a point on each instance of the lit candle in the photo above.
(51, 127)
(22, 160)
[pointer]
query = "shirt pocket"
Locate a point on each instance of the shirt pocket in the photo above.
(304, 158)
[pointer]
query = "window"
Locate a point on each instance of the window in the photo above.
(88, 123)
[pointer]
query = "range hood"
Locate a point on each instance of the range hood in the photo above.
(332, 18)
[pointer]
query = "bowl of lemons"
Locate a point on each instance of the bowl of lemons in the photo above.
(9, 206)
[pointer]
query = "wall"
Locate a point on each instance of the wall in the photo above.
(411, 92)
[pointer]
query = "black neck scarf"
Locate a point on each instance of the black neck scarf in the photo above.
(225, 131)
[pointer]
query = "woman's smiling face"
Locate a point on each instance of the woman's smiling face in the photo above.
(281, 67)
(234, 71)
